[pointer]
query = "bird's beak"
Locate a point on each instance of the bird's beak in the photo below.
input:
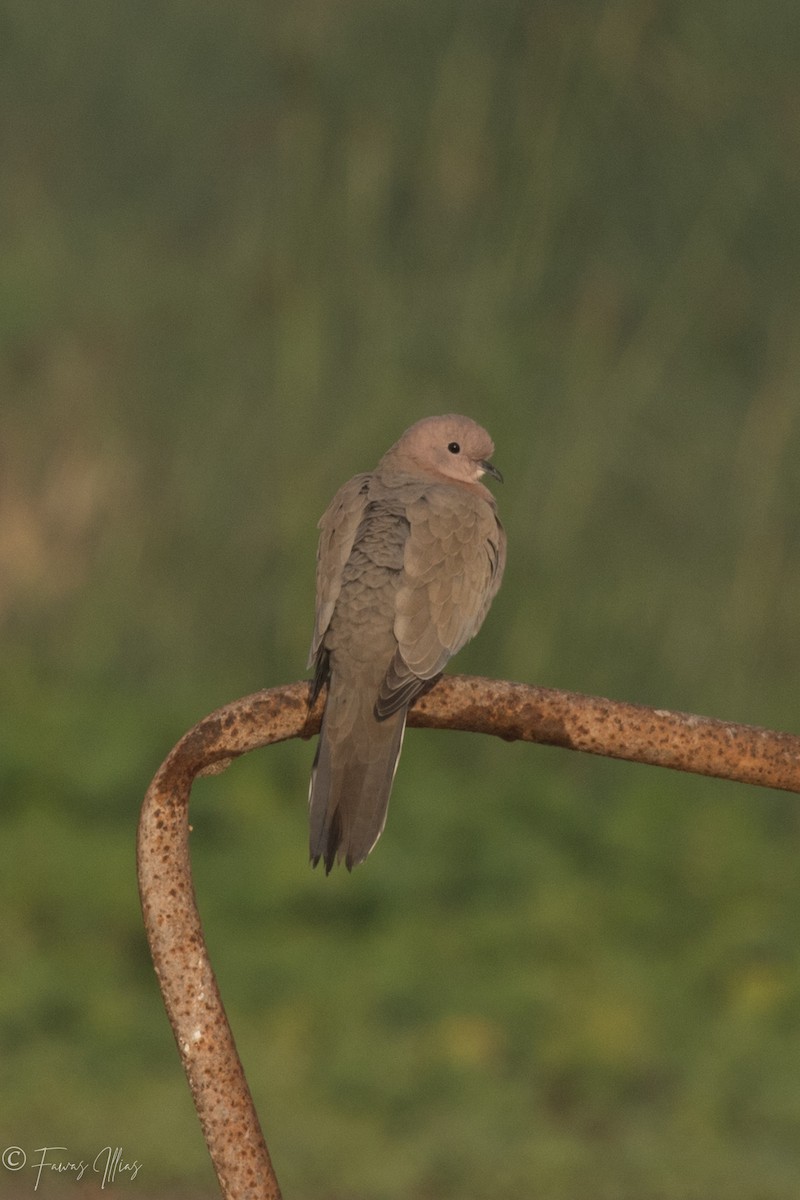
(488, 468)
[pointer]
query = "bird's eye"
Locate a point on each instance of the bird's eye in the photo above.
(454, 448)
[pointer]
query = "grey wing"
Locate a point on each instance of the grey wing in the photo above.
(453, 565)
(338, 527)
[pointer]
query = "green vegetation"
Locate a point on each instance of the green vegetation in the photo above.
(243, 246)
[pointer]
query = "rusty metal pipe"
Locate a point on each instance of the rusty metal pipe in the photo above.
(513, 711)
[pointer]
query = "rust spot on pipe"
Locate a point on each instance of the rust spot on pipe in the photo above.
(514, 711)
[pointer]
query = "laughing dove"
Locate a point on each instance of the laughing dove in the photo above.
(410, 558)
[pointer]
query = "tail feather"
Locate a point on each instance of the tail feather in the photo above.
(351, 782)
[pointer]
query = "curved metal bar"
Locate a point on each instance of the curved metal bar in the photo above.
(177, 944)
(513, 711)
(614, 729)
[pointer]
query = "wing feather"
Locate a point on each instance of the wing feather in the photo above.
(338, 527)
(452, 567)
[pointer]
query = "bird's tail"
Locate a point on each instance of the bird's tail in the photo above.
(351, 779)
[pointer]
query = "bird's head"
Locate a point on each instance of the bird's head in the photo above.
(451, 447)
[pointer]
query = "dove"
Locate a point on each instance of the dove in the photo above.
(410, 557)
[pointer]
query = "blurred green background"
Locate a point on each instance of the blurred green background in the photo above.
(243, 246)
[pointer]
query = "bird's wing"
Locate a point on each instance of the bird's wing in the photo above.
(338, 527)
(452, 567)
